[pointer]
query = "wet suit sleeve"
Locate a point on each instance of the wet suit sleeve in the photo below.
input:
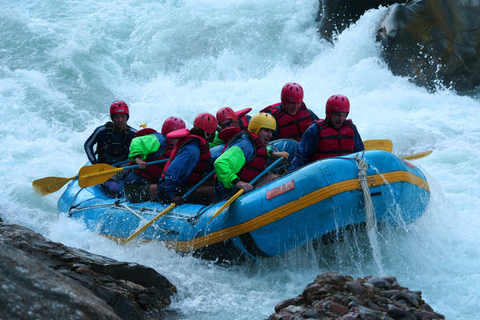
(91, 141)
(357, 140)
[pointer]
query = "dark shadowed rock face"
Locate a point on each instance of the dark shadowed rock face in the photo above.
(335, 296)
(41, 279)
(334, 16)
(434, 42)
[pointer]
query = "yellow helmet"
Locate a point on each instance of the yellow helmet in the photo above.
(262, 120)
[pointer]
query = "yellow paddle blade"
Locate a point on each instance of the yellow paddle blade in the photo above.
(148, 224)
(50, 184)
(96, 174)
(417, 155)
(235, 196)
(378, 144)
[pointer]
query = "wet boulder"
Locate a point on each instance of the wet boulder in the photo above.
(434, 42)
(334, 16)
(42, 279)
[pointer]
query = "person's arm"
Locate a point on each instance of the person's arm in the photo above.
(306, 148)
(313, 116)
(91, 142)
(232, 161)
(181, 167)
(357, 140)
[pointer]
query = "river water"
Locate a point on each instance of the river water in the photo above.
(63, 62)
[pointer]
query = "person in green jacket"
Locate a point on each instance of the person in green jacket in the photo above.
(245, 157)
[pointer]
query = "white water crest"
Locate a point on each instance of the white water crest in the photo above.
(63, 62)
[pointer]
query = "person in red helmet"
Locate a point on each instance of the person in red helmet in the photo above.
(189, 159)
(149, 145)
(332, 137)
(291, 114)
(112, 141)
(230, 123)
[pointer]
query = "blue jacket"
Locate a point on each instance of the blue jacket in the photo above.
(309, 144)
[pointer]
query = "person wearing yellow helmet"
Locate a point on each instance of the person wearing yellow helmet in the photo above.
(245, 157)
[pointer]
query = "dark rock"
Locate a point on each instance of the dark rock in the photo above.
(434, 42)
(53, 281)
(334, 16)
(350, 299)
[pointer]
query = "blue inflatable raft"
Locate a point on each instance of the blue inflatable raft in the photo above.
(294, 209)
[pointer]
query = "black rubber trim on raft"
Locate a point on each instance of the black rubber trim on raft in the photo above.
(251, 246)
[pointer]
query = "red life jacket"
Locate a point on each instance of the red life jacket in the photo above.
(227, 134)
(184, 136)
(290, 126)
(333, 142)
(153, 172)
(253, 168)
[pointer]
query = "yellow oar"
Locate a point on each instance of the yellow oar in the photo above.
(417, 155)
(161, 214)
(50, 184)
(378, 144)
(101, 172)
(241, 191)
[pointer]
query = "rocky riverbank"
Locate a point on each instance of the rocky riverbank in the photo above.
(336, 296)
(42, 279)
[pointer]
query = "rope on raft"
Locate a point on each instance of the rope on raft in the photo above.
(367, 199)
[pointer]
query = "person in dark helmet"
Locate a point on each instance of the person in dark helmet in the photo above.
(112, 142)
(147, 146)
(291, 114)
(332, 137)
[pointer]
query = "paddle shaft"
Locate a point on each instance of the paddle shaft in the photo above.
(241, 191)
(161, 214)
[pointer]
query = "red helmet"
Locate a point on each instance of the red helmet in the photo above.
(172, 124)
(337, 103)
(206, 122)
(119, 107)
(226, 113)
(292, 92)
(144, 132)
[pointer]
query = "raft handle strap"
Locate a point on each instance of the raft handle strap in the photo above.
(367, 199)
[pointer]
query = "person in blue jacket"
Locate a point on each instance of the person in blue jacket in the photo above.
(112, 141)
(189, 160)
(332, 137)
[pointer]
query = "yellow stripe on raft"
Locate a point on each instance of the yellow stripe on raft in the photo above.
(294, 206)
